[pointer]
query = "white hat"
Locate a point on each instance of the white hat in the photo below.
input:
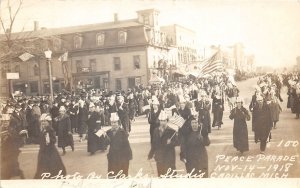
(91, 105)
(155, 101)
(162, 116)
(62, 108)
(45, 117)
(239, 99)
(181, 99)
(259, 97)
(114, 117)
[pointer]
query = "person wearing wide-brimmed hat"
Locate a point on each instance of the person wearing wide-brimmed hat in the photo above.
(119, 153)
(240, 132)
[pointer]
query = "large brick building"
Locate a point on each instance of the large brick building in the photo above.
(116, 55)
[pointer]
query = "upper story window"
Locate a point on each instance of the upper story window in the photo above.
(56, 44)
(118, 84)
(136, 62)
(93, 66)
(117, 63)
(146, 19)
(78, 41)
(100, 37)
(78, 65)
(17, 68)
(122, 37)
(36, 70)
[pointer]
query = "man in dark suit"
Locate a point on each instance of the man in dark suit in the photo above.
(163, 147)
(123, 113)
(262, 123)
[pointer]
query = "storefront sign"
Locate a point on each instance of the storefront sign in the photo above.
(85, 69)
(12, 76)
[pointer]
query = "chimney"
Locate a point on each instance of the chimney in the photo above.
(116, 19)
(36, 26)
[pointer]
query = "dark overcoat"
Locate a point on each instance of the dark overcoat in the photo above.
(262, 122)
(203, 108)
(123, 113)
(74, 116)
(164, 154)
(240, 131)
(93, 126)
(119, 153)
(217, 110)
(153, 121)
(82, 120)
(195, 154)
(64, 128)
(49, 160)
(10, 149)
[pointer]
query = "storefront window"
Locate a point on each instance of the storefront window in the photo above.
(34, 88)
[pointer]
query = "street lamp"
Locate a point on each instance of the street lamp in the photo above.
(48, 54)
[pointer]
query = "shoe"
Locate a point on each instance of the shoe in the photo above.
(262, 152)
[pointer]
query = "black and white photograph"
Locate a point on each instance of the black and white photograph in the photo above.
(150, 93)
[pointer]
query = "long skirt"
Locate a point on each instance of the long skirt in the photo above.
(49, 161)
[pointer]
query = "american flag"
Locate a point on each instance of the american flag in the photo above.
(214, 63)
(176, 122)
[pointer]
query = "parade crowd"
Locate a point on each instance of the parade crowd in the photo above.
(104, 119)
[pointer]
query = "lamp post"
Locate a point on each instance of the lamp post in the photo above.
(48, 54)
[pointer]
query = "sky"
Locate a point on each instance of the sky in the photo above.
(269, 29)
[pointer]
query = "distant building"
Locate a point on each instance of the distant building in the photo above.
(185, 41)
(116, 55)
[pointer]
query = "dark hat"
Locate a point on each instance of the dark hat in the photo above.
(18, 106)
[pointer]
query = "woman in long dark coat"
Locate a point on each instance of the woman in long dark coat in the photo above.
(217, 109)
(194, 153)
(49, 160)
(93, 122)
(119, 153)
(74, 109)
(153, 118)
(65, 137)
(163, 147)
(10, 146)
(203, 107)
(82, 119)
(240, 132)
